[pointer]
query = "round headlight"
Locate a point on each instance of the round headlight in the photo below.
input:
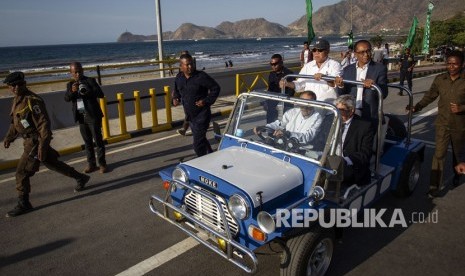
(266, 222)
(238, 207)
(180, 175)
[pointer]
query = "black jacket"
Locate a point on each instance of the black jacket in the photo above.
(199, 86)
(358, 146)
(91, 104)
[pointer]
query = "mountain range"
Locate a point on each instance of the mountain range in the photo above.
(362, 16)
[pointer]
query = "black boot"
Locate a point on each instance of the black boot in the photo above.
(23, 207)
(81, 180)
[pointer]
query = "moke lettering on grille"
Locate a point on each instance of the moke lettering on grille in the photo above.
(209, 182)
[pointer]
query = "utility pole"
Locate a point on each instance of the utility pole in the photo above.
(159, 37)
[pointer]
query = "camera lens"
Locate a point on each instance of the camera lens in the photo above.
(82, 88)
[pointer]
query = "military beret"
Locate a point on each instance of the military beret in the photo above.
(14, 78)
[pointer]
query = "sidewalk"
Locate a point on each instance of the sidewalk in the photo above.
(69, 140)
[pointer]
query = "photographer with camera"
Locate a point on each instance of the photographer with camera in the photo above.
(83, 93)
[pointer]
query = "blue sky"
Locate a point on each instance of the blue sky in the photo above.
(46, 22)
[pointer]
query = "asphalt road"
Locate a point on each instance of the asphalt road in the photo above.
(108, 228)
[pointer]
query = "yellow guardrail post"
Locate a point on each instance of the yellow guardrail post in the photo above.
(121, 113)
(153, 107)
(238, 83)
(169, 116)
(137, 110)
(105, 123)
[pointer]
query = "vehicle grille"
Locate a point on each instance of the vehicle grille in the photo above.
(206, 210)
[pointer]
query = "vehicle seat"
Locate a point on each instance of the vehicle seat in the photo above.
(384, 129)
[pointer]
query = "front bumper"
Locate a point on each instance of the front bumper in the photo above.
(233, 248)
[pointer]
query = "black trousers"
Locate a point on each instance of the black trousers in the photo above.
(404, 74)
(199, 126)
(91, 130)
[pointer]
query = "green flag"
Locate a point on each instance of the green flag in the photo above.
(411, 34)
(425, 47)
(311, 33)
(350, 40)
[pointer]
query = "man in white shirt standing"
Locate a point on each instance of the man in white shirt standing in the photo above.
(305, 55)
(301, 122)
(321, 65)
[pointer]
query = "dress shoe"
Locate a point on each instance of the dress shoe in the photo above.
(103, 169)
(81, 182)
(181, 132)
(400, 94)
(90, 168)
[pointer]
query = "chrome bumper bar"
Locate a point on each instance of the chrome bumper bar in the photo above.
(231, 245)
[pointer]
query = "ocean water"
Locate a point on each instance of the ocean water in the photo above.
(209, 53)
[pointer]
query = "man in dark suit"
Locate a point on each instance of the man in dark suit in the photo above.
(83, 93)
(197, 91)
(368, 72)
(357, 142)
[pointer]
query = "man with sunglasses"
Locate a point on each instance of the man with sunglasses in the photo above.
(321, 65)
(368, 72)
(278, 71)
(302, 123)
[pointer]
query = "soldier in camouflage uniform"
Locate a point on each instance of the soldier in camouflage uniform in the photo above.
(29, 119)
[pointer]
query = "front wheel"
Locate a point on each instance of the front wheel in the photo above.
(308, 254)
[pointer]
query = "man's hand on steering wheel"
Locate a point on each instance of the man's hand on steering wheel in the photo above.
(278, 133)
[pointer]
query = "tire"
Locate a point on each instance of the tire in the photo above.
(308, 254)
(409, 176)
(396, 127)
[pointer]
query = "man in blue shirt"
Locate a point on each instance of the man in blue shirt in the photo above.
(197, 91)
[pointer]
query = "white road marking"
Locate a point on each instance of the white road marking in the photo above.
(421, 116)
(160, 258)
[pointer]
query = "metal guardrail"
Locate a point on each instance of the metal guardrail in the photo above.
(98, 69)
(258, 77)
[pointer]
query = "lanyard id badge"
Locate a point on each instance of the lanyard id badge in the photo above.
(25, 123)
(80, 105)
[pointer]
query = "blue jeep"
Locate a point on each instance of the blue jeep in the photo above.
(229, 200)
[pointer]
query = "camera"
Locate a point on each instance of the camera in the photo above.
(83, 89)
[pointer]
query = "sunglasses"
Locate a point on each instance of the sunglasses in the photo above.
(274, 64)
(318, 50)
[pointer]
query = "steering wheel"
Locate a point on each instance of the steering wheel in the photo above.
(268, 137)
(293, 145)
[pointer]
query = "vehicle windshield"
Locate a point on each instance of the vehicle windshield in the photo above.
(291, 125)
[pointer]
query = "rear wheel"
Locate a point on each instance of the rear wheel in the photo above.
(409, 176)
(308, 254)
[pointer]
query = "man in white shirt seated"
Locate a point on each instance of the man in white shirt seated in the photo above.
(321, 65)
(301, 122)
